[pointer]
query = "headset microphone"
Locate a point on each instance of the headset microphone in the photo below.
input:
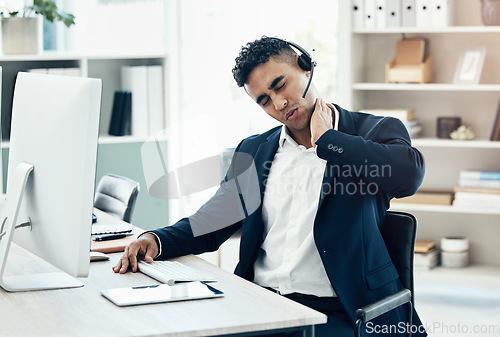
(313, 64)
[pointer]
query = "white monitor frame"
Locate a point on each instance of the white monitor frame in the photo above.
(51, 177)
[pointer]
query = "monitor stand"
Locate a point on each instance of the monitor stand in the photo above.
(10, 212)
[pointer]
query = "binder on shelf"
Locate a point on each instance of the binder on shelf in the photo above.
(120, 123)
(135, 80)
(126, 124)
(442, 13)
(408, 16)
(155, 99)
(357, 14)
(116, 115)
(393, 12)
(423, 13)
(381, 13)
(370, 12)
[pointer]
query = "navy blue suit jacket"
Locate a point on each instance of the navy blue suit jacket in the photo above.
(369, 161)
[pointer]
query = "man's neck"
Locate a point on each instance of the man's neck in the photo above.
(301, 137)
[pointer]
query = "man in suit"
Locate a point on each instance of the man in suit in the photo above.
(310, 228)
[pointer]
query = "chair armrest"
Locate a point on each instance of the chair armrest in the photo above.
(370, 311)
(384, 305)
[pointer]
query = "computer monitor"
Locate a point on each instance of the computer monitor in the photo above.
(51, 177)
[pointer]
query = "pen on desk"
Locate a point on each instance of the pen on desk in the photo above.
(106, 237)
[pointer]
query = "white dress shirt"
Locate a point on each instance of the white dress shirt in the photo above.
(289, 260)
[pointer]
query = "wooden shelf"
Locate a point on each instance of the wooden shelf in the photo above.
(102, 140)
(430, 30)
(426, 87)
(395, 206)
(449, 143)
(476, 275)
(58, 56)
(120, 139)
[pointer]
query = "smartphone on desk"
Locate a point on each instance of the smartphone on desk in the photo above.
(161, 293)
(111, 236)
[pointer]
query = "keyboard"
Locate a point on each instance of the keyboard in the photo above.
(110, 228)
(170, 272)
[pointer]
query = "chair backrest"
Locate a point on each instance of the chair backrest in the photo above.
(116, 195)
(399, 232)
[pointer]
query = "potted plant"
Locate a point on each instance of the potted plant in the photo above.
(22, 29)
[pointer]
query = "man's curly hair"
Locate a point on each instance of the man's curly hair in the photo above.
(258, 52)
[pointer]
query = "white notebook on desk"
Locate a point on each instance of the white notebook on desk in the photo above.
(161, 293)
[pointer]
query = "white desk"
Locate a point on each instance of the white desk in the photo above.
(245, 308)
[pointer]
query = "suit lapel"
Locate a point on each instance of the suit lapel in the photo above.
(263, 159)
(252, 231)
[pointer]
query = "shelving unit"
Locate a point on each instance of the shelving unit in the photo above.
(363, 87)
(106, 66)
(119, 155)
(425, 87)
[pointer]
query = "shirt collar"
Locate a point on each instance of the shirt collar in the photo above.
(285, 136)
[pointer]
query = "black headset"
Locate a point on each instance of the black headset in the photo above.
(305, 61)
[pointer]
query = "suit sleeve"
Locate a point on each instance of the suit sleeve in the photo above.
(382, 154)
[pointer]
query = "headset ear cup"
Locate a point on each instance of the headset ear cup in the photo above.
(304, 62)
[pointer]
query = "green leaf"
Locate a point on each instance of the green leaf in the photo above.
(48, 9)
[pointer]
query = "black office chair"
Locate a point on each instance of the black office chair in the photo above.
(399, 232)
(116, 195)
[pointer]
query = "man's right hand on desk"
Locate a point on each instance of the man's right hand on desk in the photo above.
(144, 246)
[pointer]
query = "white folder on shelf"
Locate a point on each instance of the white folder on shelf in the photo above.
(357, 14)
(135, 80)
(408, 13)
(369, 18)
(423, 13)
(155, 99)
(393, 13)
(442, 13)
(381, 13)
